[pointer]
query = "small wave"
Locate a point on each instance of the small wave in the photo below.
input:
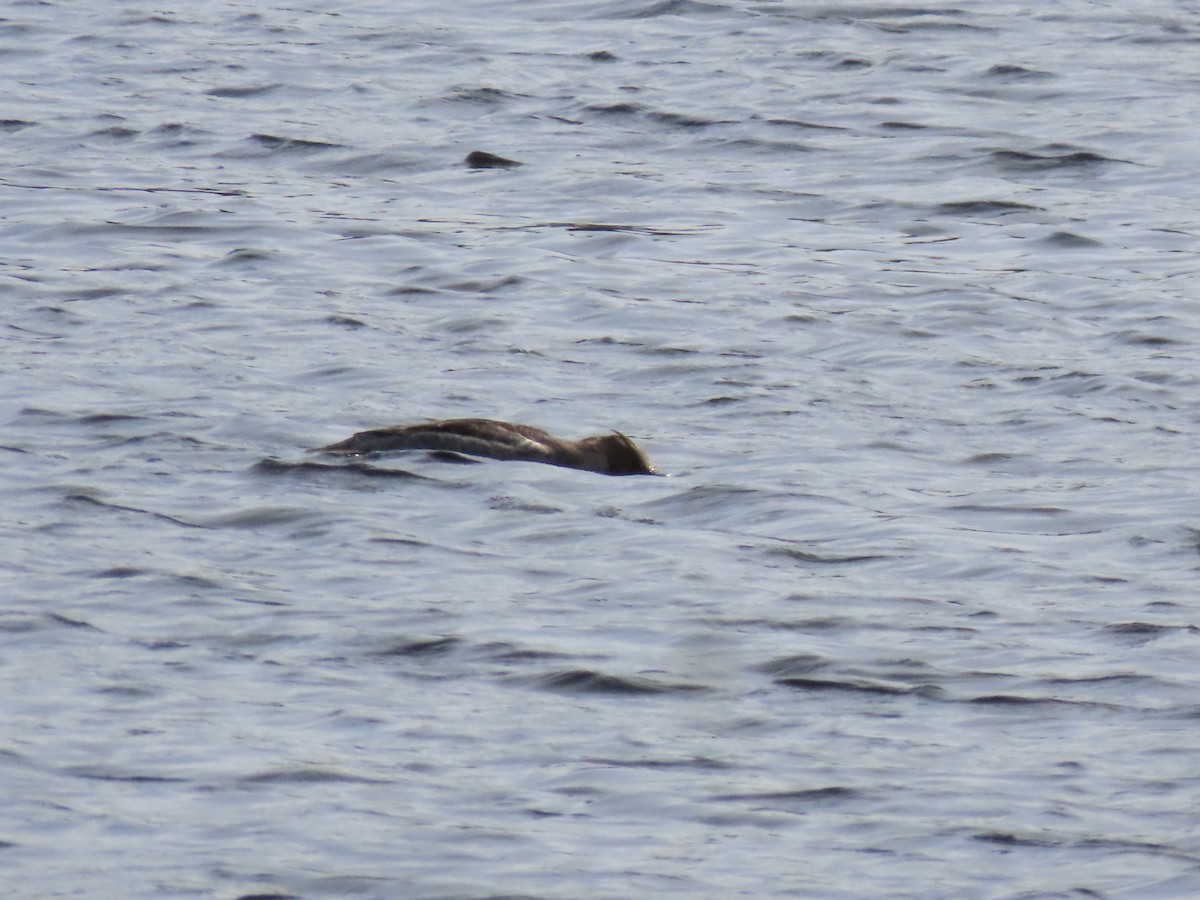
(857, 686)
(81, 498)
(272, 466)
(983, 207)
(1068, 240)
(701, 763)
(1024, 161)
(585, 681)
(806, 556)
(429, 647)
(241, 91)
(802, 795)
(664, 8)
(1010, 72)
(290, 145)
(306, 776)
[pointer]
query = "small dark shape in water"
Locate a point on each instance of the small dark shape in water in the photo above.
(481, 159)
(346, 321)
(608, 454)
(1021, 160)
(1068, 239)
(275, 142)
(1010, 71)
(982, 207)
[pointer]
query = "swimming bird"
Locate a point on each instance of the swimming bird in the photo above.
(608, 454)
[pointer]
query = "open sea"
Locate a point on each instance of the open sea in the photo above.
(905, 298)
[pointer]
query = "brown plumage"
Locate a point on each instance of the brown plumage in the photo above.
(609, 454)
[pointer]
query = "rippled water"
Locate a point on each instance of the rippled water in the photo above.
(904, 299)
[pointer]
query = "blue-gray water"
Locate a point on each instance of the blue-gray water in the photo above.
(904, 297)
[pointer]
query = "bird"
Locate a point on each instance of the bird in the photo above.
(608, 454)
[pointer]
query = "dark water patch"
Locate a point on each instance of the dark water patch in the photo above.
(585, 681)
(163, 644)
(79, 498)
(439, 646)
(809, 558)
(505, 652)
(272, 466)
(121, 572)
(277, 144)
(667, 351)
(237, 92)
(815, 624)
(93, 773)
(1008, 72)
(244, 255)
(1068, 240)
(853, 62)
(375, 164)
(1010, 839)
(483, 96)
(11, 125)
(1139, 633)
(1008, 510)
(983, 207)
(794, 666)
(119, 188)
(488, 286)
(1141, 339)
(804, 125)
(609, 341)
(852, 13)
(307, 776)
(618, 228)
(19, 624)
(481, 159)
(699, 763)
(60, 619)
(686, 122)
(702, 499)
(659, 8)
(173, 129)
(514, 504)
(854, 686)
(987, 459)
(95, 418)
(256, 601)
(260, 517)
(1024, 161)
(450, 456)
(348, 322)
(127, 691)
(894, 125)
(624, 109)
(115, 132)
(799, 796)
(1119, 678)
(758, 145)
(1026, 701)
(412, 290)
(270, 895)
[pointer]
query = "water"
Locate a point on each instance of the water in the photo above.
(903, 298)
